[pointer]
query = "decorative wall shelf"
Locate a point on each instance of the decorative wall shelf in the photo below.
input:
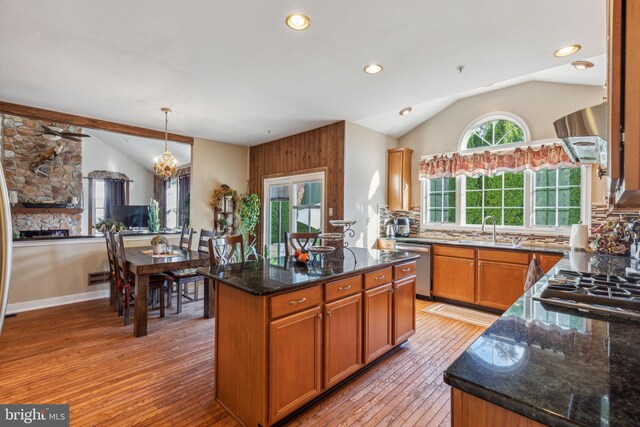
(33, 211)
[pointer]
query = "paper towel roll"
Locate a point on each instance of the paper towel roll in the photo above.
(579, 238)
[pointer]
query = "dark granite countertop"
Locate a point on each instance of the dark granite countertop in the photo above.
(481, 244)
(86, 236)
(558, 366)
(276, 275)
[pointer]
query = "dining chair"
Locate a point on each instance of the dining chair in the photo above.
(126, 281)
(299, 241)
(112, 270)
(186, 238)
(182, 278)
(223, 250)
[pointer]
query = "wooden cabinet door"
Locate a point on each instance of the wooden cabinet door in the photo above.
(295, 361)
(342, 339)
(500, 284)
(404, 309)
(394, 189)
(377, 322)
(454, 278)
(547, 261)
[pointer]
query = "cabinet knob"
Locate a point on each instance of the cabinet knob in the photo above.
(319, 315)
(329, 313)
(390, 290)
(404, 270)
(297, 301)
(344, 288)
(380, 277)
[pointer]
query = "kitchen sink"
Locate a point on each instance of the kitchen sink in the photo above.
(488, 244)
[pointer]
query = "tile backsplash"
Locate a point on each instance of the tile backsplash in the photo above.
(599, 213)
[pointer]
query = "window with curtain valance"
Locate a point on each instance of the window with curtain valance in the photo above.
(497, 173)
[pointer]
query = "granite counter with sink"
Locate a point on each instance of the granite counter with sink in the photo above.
(558, 366)
(552, 249)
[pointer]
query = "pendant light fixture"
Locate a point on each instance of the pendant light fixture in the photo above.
(165, 166)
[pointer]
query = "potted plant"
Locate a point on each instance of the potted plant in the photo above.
(249, 215)
(159, 244)
(222, 224)
(109, 224)
(154, 216)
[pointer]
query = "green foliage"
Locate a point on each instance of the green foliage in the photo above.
(249, 213)
(279, 215)
(109, 224)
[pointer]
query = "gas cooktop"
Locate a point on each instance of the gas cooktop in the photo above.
(597, 293)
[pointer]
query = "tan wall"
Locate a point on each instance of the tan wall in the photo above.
(538, 104)
(365, 180)
(213, 164)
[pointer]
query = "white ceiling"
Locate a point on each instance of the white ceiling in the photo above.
(233, 72)
(140, 150)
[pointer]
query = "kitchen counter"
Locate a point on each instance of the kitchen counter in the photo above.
(277, 275)
(557, 366)
(481, 243)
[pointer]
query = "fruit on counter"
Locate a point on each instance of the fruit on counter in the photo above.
(304, 257)
(297, 253)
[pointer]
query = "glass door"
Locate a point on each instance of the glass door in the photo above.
(294, 204)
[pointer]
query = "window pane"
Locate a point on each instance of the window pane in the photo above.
(493, 198)
(514, 180)
(493, 182)
(474, 199)
(436, 200)
(474, 216)
(546, 178)
(514, 198)
(574, 216)
(442, 193)
(546, 197)
(514, 217)
(449, 200)
(435, 215)
(449, 215)
(474, 183)
(495, 132)
(574, 196)
(545, 217)
(496, 213)
(436, 184)
(563, 197)
(449, 184)
(563, 176)
(563, 216)
(574, 176)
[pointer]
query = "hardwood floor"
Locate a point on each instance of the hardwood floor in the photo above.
(82, 355)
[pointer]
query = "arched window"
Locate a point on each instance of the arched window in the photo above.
(494, 131)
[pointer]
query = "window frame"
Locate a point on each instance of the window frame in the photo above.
(529, 186)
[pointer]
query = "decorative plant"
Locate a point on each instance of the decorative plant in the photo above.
(154, 216)
(158, 239)
(249, 215)
(613, 237)
(109, 224)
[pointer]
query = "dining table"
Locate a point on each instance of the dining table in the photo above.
(143, 264)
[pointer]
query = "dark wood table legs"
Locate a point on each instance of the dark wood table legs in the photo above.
(141, 306)
(208, 298)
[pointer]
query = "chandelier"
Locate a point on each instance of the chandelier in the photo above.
(165, 165)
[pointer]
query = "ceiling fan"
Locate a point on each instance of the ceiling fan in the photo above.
(54, 133)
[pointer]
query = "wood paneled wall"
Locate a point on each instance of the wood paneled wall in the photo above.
(314, 150)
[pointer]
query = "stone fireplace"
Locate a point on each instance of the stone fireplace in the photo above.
(22, 143)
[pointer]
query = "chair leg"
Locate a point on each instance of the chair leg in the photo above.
(161, 292)
(195, 290)
(126, 307)
(179, 297)
(169, 294)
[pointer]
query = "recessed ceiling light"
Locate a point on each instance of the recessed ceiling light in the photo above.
(373, 68)
(297, 21)
(567, 50)
(405, 111)
(582, 65)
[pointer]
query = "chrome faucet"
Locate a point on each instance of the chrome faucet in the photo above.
(484, 221)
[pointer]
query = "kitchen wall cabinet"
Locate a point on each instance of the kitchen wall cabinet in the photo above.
(404, 308)
(342, 339)
(399, 179)
(295, 357)
(454, 277)
(624, 109)
(377, 321)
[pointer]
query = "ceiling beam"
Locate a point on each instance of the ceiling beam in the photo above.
(87, 122)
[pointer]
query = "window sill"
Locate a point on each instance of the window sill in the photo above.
(562, 231)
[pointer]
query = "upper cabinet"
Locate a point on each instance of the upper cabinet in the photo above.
(399, 179)
(623, 94)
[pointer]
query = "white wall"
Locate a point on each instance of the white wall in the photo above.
(213, 164)
(97, 155)
(538, 104)
(365, 180)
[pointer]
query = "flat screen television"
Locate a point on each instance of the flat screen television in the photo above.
(132, 216)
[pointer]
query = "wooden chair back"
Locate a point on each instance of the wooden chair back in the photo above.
(111, 258)
(223, 249)
(120, 259)
(203, 240)
(186, 237)
(299, 241)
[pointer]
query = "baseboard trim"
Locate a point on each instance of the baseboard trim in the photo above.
(56, 301)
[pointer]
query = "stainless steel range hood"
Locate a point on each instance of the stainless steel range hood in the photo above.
(583, 134)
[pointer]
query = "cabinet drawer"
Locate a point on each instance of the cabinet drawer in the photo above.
(454, 251)
(342, 288)
(291, 302)
(404, 270)
(513, 257)
(377, 278)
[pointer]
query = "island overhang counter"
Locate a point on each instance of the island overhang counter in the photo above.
(287, 333)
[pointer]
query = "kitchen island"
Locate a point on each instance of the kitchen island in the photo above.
(287, 333)
(557, 366)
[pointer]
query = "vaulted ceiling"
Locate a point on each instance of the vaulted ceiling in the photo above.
(233, 72)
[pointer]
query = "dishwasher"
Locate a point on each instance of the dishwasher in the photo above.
(423, 267)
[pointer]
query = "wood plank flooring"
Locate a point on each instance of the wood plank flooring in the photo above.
(82, 355)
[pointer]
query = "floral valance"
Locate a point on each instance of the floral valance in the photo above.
(550, 156)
